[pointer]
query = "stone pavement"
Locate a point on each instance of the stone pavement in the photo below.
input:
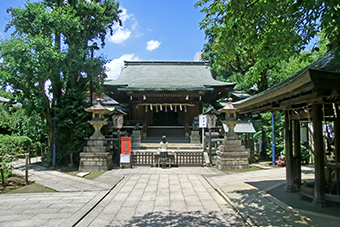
(251, 194)
(144, 196)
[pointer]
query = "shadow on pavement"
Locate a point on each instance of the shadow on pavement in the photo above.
(264, 211)
(193, 218)
(303, 203)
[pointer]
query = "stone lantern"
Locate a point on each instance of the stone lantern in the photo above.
(97, 121)
(96, 156)
(229, 117)
(231, 153)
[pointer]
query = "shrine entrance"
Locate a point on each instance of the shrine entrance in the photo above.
(169, 118)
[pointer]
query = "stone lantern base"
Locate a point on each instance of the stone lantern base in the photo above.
(195, 137)
(232, 155)
(95, 161)
(96, 156)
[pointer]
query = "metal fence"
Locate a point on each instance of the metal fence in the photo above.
(147, 158)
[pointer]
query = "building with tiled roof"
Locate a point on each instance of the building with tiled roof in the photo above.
(166, 93)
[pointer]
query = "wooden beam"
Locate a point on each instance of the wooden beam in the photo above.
(304, 99)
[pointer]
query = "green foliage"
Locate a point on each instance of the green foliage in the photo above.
(278, 132)
(14, 144)
(17, 121)
(5, 164)
(9, 146)
(252, 38)
(72, 123)
(50, 44)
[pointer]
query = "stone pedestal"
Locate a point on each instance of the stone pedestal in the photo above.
(136, 139)
(95, 161)
(96, 156)
(232, 155)
(195, 137)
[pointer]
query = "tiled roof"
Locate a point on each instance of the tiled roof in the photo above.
(161, 75)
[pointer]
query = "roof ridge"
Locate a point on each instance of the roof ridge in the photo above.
(194, 63)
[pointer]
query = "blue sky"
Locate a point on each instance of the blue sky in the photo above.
(152, 30)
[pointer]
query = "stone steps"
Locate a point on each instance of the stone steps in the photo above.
(171, 146)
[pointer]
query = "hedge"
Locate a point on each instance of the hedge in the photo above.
(14, 144)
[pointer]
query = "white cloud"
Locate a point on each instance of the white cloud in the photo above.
(124, 15)
(152, 45)
(115, 65)
(134, 24)
(120, 36)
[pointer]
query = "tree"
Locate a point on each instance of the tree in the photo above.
(252, 37)
(50, 44)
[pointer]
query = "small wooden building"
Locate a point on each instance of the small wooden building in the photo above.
(313, 95)
(164, 97)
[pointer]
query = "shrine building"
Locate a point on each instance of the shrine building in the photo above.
(164, 97)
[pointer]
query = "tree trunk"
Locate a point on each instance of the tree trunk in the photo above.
(263, 85)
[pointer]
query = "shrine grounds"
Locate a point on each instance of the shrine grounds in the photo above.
(178, 196)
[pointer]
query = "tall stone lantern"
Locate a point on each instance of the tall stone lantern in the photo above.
(96, 155)
(229, 117)
(97, 121)
(231, 153)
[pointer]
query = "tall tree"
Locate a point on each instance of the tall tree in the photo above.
(50, 44)
(252, 37)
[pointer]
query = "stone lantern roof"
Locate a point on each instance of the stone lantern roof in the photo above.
(229, 110)
(229, 107)
(97, 110)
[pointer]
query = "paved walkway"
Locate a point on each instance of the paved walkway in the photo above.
(144, 196)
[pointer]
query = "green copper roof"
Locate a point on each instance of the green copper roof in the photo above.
(161, 75)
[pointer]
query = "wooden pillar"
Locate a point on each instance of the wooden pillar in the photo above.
(186, 126)
(297, 153)
(319, 187)
(145, 124)
(337, 135)
(289, 154)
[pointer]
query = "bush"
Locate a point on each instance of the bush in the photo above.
(11, 145)
(14, 144)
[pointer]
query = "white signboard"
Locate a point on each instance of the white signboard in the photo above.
(202, 121)
(125, 158)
